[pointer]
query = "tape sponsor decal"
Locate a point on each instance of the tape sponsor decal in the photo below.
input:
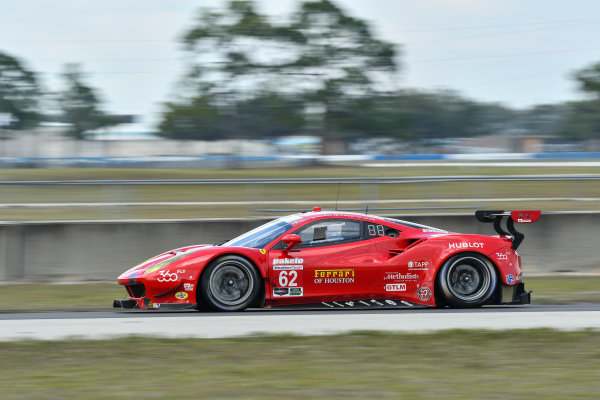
(465, 245)
(418, 265)
(181, 295)
(395, 287)
(424, 293)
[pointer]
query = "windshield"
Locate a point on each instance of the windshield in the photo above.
(261, 236)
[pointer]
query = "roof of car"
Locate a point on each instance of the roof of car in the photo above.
(306, 216)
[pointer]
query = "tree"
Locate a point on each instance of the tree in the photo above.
(263, 116)
(316, 60)
(19, 92)
(583, 117)
(80, 104)
(589, 80)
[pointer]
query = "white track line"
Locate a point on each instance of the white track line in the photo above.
(221, 326)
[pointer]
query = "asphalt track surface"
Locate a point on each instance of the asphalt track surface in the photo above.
(259, 322)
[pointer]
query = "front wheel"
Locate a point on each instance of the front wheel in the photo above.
(467, 280)
(230, 283)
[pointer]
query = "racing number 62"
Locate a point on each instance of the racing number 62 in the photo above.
(288, 278)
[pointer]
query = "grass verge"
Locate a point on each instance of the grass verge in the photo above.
(562, 289)
(448, 365)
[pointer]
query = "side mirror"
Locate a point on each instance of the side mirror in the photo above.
(291, 241)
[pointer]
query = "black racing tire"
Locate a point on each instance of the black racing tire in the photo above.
(467, 280)
(230, 283)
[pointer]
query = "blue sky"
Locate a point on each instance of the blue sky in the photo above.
(515, 52)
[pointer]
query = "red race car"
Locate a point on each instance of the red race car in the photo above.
(338, 260)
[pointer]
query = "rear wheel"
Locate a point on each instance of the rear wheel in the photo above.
(230, 283)
(467, 280)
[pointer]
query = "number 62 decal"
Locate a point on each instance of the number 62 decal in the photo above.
(288, 276)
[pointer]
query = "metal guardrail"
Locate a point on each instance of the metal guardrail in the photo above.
(113, 199)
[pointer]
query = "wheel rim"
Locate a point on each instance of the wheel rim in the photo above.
(231, 283)
(469, 279)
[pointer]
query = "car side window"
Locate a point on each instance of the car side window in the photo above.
(329, 232)
(373, 230)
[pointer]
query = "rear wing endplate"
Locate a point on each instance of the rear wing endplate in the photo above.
(521, 217)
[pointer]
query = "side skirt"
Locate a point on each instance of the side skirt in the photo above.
(367, 304)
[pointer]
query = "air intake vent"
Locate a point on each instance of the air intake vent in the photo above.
(136, 290)
(405, 245)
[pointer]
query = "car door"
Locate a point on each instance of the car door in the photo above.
(333, 262)
(398, 274)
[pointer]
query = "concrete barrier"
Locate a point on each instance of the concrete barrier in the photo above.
(59, 251)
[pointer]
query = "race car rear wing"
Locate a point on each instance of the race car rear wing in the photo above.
(521, 217)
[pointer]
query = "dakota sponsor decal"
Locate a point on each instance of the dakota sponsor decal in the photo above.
(465, 245)
(397, 276)
(345, 275)
(287, 291)
(167, 276)
(181, 295)
(418, 265)
(424, 293)
(395, 287)
(279, 261)
(188, 287)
